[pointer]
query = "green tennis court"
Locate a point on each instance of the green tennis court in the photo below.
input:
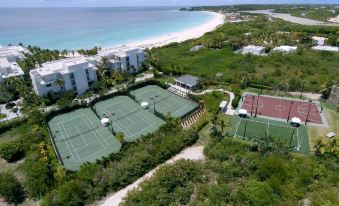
(256, 128)
(128, 117)
(79, 138)
(165, 101)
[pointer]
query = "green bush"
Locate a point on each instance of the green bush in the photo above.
(10, 188)
(11, 151)
(235, 101)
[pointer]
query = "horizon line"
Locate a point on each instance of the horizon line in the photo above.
(141, 6)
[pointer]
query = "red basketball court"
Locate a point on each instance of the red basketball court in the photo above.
(280, 108)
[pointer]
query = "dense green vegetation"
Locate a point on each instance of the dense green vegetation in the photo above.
(236, 173)
(10, 188)
(288, 72)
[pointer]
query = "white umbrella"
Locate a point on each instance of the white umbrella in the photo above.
(243, 111)
(295, 120)
(104, 121)
(144, 104)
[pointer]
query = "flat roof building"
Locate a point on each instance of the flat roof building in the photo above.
(255, 50)
(320, 41)
(326, 48)
(124, 59)
(8, 61)
(76, 73)
(187, 82)
(285, 49)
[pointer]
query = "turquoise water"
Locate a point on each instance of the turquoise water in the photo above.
(75, 28)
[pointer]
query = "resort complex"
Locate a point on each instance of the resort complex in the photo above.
(8, 61)
(63, 75)
(124, 59)
(240, 108)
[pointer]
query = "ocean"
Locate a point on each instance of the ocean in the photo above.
(83, 28)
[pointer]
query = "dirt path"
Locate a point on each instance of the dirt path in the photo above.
(191, 153)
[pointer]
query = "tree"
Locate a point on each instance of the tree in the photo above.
(39, 178)
(11, 151)
(120, 137)
(319, 146)
(10, 188)
(257, 193)
(2, 116)
(332, 146)
(72, 193)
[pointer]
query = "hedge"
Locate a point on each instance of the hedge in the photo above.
(11, 151)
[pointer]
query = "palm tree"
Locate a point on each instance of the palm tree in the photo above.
(319, 146)
(60, 83)
(2, 116)
(222, 125)
(332, 146)
(120, 137)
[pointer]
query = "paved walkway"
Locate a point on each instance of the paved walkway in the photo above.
(9, 112)
(192, 153)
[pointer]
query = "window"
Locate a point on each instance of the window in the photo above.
(71, 75)
(48, 85)
(73, 82)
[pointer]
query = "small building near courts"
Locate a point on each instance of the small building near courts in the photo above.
(285, 49)
(188, 82)
(223, 106)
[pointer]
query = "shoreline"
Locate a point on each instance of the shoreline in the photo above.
(292, 19)
(190, 33)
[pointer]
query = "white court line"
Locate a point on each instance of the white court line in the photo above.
(235, 134)
(66, 142)
(70, 142)
(94, 132)
(298, 146)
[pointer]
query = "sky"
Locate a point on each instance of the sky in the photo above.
(117, 3)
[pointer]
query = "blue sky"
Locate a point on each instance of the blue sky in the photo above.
(74, 3)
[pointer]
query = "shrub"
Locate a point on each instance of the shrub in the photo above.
(10, 188)
(235, 101)
(11, 151)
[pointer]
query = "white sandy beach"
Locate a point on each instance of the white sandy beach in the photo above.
(190, 33)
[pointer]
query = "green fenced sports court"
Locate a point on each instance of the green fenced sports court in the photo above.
(165, 101)
(256, 128)
(79, 138)
(128, 117)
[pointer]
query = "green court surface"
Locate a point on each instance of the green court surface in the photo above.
(256, 128)
(79, 138)
(165, 101)
(128, 117)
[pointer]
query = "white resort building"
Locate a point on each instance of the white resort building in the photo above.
(8, 61)
(319, 41)
(285, 49)
(124, 59)
(76, 74)
(255, 50)
(326, 48)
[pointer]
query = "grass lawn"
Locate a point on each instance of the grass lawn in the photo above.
(333, 120)
(14, 133)
(212, 100)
